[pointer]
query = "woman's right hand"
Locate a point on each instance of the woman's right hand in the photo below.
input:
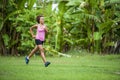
(31, 30)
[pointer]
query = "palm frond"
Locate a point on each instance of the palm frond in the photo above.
(68, 40)
(31, 3)
(110, 2)
(11, 14)
(90, 17)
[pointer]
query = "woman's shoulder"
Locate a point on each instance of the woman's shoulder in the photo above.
(36, 25)
(45, 26)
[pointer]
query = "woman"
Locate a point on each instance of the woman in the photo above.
(39, 39)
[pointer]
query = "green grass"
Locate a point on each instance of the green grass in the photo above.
(90, 67)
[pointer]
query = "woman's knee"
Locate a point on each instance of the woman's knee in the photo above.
(41, 50)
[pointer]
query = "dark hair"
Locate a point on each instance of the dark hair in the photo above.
(38, 18)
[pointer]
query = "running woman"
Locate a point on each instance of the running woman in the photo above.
(39, 39)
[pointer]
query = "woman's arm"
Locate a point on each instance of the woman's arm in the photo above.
(46, 29)
(31, 30)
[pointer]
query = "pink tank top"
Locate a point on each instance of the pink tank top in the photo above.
(40, 32)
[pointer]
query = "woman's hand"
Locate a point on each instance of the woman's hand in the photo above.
(33, 36)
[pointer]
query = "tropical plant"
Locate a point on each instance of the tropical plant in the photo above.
(8, 35)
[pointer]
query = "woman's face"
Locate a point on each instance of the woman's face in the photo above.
(41, 20)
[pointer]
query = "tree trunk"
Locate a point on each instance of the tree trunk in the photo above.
(59, 38)
(3, 50)
(15, 37)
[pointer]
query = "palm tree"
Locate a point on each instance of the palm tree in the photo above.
(95, 22)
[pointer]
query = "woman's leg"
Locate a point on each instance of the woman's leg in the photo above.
(33, 52)
(42, 53)
(30, 55)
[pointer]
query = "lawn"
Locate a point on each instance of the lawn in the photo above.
(87, 67)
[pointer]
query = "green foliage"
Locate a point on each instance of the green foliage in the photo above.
(97, 26)
(30, 3)
(11, 14)
(6, 39)
(97, 36)
(21, 4)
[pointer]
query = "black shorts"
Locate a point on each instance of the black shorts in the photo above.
(39, 42)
